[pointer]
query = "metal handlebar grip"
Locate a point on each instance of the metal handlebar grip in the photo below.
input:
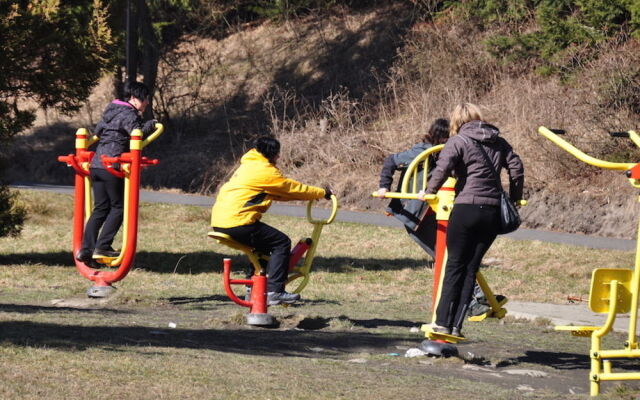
(159, 130)
(619, 134)
(332, 216)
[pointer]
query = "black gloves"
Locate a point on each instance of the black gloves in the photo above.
(327, 192)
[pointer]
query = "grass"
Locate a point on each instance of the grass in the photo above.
(370, 287)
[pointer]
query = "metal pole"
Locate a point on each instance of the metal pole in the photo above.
(131, 45)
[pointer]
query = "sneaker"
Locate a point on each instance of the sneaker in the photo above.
(456, 332)
(275, 298)
(477, 309)
(105, 253)
(84, 255)
(440, 329)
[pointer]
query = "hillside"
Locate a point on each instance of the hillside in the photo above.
(343, 88)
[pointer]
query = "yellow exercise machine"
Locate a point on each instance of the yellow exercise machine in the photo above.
(306, 248)
(613, 290)
(413, 187)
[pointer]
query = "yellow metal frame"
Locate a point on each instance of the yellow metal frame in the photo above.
(412, 188)
(613, 290)
(303, 271)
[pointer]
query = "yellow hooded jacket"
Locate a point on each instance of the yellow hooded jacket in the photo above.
(252, 188)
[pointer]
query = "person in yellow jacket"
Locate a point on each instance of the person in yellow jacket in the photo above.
(246, 196)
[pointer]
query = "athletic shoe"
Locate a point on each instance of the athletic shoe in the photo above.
(84, 255)
(105, 253)
(456, 332)
(440, 329)
(275, 298)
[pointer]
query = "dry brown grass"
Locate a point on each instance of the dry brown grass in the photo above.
(343, 91)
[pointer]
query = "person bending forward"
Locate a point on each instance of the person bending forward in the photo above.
(249, 194)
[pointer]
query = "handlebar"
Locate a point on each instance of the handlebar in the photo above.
(635, 138)
(406, 196)
(332, 216)
(159, 130)
(596, 162)
(426, 197)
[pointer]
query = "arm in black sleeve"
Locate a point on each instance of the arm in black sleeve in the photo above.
(149, 127)
(516, 173)
(515, 189)
(386, 175)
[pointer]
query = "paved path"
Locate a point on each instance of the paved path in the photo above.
(559, 314)
(359, 217)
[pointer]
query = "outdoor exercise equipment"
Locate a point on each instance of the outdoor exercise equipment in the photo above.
(131, 164)
(257, 285)
(412, 188)
(613, 290)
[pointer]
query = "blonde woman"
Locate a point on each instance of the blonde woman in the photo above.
(474, 221)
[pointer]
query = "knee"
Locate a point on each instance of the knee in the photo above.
(283, 243)
(116, 211)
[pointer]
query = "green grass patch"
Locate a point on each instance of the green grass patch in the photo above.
(370, 286)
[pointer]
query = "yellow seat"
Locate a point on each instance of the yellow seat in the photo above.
(601, 290)
(600, 295)
(250, 252)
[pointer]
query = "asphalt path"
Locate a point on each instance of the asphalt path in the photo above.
(359, 217)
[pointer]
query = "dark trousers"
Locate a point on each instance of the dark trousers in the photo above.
(269, 241)
(471, 231)
(108, 210)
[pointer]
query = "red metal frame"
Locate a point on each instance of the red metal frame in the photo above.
(136, 162)
(258, 284)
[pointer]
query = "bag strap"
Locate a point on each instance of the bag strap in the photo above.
(488, 160)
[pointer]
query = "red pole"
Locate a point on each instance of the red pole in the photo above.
(441, 248)
(226, 276)
(259, 295)
(132, 221)
(76, 161)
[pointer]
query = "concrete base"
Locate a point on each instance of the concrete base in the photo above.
(260, 319)
(438, 349)
(100, 292)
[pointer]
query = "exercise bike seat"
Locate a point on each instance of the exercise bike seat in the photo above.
(228, 241)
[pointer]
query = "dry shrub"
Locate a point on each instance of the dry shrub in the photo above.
(343, 91)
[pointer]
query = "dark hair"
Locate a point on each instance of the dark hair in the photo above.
(269, 147)
(136, 89)
(438, 132)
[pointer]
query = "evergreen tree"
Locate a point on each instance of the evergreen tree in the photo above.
(53, 53)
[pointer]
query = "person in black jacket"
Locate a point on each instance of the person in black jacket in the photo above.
(114, 131)
(420, 226)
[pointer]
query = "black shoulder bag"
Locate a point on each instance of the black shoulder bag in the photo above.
(509, 217)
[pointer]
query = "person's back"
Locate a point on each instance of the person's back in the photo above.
(475, 179)
(114, 130)
(252, 188)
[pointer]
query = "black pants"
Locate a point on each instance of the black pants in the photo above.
(471, 231)
(266, 240)
(108, 210)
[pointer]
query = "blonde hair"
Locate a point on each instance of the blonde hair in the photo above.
(463, 113)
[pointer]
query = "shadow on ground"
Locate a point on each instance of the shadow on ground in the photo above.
(181, 263)
(244, 341)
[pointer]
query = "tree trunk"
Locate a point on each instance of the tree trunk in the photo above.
(150, 53)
